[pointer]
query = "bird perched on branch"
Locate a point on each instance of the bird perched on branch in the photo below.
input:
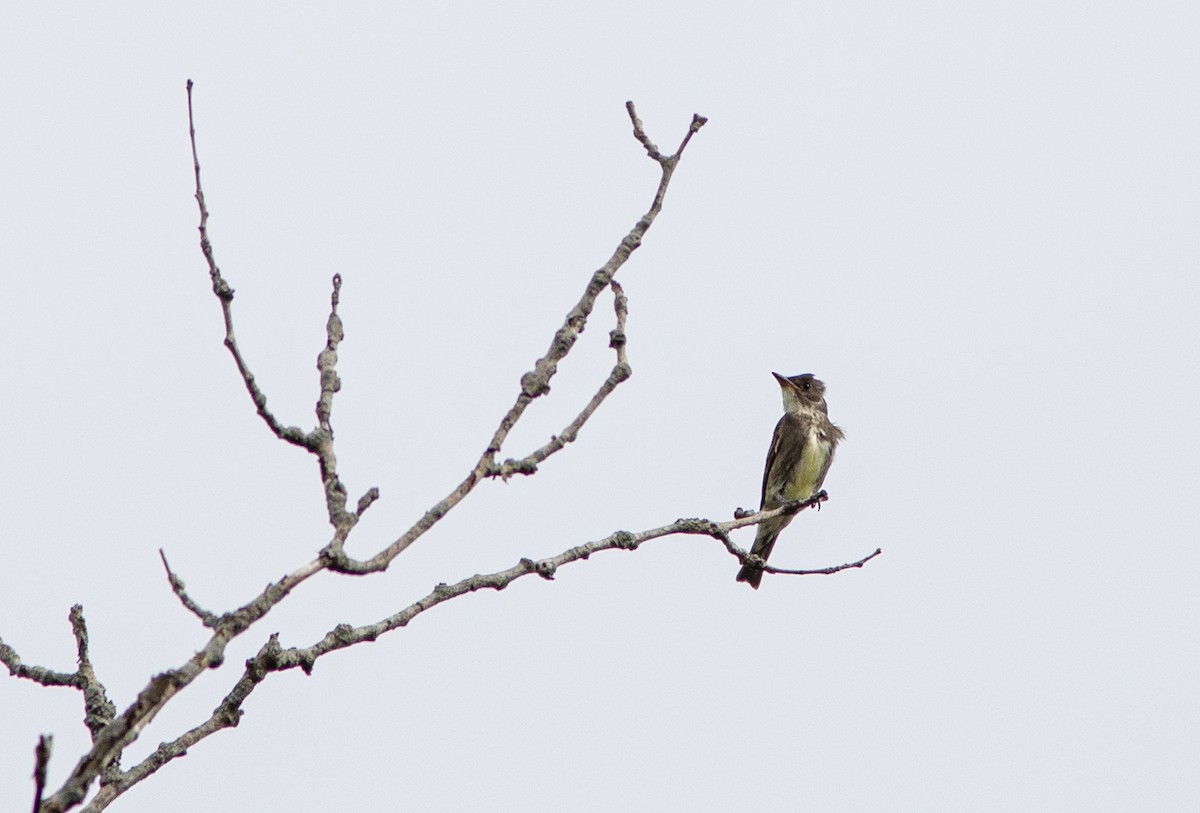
(797, 462)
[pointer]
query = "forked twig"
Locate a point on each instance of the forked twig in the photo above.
(536, 382)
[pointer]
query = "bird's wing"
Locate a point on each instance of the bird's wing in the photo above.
(772, 454)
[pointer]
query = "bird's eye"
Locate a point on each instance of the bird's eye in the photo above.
(806, 386)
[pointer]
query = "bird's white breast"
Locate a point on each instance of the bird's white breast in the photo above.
(814, 461)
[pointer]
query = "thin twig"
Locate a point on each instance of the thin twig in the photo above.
(207, 618)
(38, 674)
(327, 359)
(322, 436)
(41, 760)
(291, 434)
(823, 571)
(640, 134)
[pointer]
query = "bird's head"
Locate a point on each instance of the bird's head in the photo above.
(801, 392)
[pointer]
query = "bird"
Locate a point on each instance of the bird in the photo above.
(801, 452)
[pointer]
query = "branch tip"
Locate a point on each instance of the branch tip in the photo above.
(41, 760)
(366, 500)
(207, 618)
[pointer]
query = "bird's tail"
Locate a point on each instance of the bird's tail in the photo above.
(764, 543)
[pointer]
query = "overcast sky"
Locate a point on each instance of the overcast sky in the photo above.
(976, 222)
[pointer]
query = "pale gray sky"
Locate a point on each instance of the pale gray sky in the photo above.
(977, 222)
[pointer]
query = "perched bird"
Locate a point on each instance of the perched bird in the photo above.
(801, 452)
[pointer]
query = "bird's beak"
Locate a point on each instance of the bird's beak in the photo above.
(783, 382)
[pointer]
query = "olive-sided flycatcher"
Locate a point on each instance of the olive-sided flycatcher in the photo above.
(797, 462)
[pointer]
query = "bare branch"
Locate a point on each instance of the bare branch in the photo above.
(640, 134)
(327, 360)
(698, 121)
(113, 732)
(824, 571)
(322, 437)
(622, 371)
(536, 382)
(113, 739)
(208, 619)
(273, 658)
(344, 635)
(291, 434)
(97, 706)
(98, 709)
(110, 739)
(786, 509)
(38, 674)
(319, 441)
(124, 729)
(226, 715)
